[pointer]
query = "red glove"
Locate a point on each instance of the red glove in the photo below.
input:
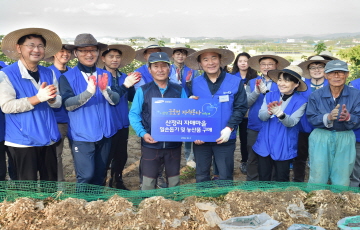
(188, 76)
(344, 115)
(103, 81)
(92, 77)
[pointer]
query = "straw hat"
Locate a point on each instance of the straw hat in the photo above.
(183, 47)
(327, 55)
(227, 56)
(305, 65)
(53, 42)
(255, 64)
(64, 43)
(294, 70)
(151, 45)
(84, 40)
(128, 55)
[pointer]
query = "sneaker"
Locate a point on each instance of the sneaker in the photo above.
(191, 164)
(243, 168)
(215, 177)
(161, 182)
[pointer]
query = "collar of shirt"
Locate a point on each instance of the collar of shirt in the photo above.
(327, 92)
(24, 72)
(162, 90)
(219, 79)
(86, 69)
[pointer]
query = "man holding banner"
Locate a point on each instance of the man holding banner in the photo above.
(230, 93)
(154, 152)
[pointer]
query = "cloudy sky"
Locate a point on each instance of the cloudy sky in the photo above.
(182, 18)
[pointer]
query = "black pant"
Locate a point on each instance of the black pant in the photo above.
(118, 153)
(152, 160)
(266, 164)
(31, 160)
(243, 139)
(302, 156)
(11, 168)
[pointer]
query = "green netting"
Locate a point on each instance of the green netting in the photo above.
(10, 190)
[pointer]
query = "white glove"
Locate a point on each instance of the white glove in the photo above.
(91, 87)
(277, 111)
(45, 93)
(262, 87)
(132, 79)
(225, 135)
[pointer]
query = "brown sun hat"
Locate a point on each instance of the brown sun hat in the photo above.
(227, 56)
(128, 55)
(305, 65)
(254, 63)
(327, 55)
(151, 45)
(183, 47)
(64, 43)
(84, 40)
(294, 70)
(53, 42)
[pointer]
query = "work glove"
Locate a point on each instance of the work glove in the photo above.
(46, 92)
(188, 76)
(132, 79)
(103, 81)
(275, 108)
(225, 135)
(344, 115)
(91, 87)
(260, 87)
(334, 113)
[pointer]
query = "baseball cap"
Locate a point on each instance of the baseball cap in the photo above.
(159, 57)
(336, 65)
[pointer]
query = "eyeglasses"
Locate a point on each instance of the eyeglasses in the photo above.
(88, 51)
(267, 65)
(316, 68)
(32, 47)
(340, 73)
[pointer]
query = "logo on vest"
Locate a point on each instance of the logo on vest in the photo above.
(228, 92)
(76, 149)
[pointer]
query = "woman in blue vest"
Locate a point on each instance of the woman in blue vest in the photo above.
(90, 103)
(229, 90)
(276, 144)
(314, 74)
(242, 69)
(256, 90)
(117, 56)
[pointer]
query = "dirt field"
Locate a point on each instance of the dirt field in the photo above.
(131, 172)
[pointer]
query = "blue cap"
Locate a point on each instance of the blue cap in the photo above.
(336, 65)
(159, 57)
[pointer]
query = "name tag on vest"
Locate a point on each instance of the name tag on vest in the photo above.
(224, 98)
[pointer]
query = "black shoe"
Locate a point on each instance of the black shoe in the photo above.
(243, 168)
(161, 182)
(120, 185)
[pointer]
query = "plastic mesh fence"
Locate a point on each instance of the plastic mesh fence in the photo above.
(10, 190)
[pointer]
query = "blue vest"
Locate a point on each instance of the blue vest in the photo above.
(93, 120)
(146, 76)
(254, 122)
(122, 108)
(2, 126)
(230, 86)
(60, 113)
(356, 84)
(151, 90)
(304, 124)
(36, 127)
(183, 79)
(275, 139)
